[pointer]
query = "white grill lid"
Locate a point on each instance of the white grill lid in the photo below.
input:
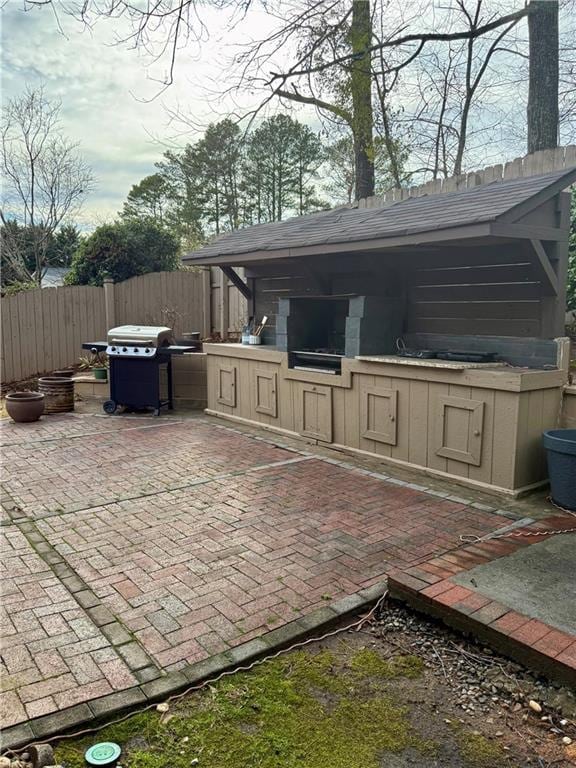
(140, 335)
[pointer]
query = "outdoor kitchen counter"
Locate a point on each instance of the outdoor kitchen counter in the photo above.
(479, 423)
(426, 363)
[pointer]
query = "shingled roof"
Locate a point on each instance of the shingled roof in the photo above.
(493, 202)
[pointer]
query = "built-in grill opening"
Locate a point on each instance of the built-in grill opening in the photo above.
(319, 324)
(318, 331)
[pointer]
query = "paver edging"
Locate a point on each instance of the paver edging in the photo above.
(495, 624)
(97, 712)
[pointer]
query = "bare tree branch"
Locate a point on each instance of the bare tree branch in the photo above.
(46, 180)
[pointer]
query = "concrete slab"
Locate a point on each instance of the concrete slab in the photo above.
(539, 581)
(515, 592)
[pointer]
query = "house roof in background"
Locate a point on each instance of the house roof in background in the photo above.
(496, 201)
(53, 277)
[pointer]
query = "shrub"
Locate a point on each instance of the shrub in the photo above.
(123, 250)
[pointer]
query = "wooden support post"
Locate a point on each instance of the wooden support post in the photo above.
(563, 354)
(560, 251)
(206, 303)
(552, 264)
(109, 303)
(224, 305)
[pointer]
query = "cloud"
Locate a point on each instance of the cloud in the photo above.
(107, 90)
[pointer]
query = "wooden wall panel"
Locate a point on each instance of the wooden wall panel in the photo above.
(503, 298)
(504, 441)
(500, 297)
(418, 423)
(537, 411)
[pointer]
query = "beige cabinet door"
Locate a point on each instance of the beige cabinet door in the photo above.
(379, 413)
(314, 412)
(458, 429)
(265, 388)
(226, 377)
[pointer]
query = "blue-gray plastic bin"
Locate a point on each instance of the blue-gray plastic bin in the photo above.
(560, 445)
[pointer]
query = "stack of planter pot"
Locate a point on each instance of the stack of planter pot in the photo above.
(58, 393)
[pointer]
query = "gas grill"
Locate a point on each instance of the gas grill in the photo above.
(139, 355)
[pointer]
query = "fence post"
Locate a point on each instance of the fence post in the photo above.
(109, 302)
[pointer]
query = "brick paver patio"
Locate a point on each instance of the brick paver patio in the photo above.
(132, 547)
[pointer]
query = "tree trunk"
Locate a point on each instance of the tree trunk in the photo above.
(361, 85)
(543, 78)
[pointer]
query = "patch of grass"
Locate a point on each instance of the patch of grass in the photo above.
(369, 663)
(479, 752)
(297, 711)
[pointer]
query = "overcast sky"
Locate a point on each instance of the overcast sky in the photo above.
(107, 90)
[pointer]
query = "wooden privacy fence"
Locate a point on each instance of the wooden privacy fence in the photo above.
(545, 161)
(43, 329)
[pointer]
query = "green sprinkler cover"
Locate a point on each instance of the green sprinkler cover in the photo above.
(105, 753)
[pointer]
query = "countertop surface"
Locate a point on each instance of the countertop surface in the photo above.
(385, 359)
(422, 363)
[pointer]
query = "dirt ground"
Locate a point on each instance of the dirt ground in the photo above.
(390, 694)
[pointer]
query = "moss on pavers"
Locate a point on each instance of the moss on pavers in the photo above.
(132, 653)
(116, 634)
(165, 685)
(147, 674)
(100, 615)
(86, 598)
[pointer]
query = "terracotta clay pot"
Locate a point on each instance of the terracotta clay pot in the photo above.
(25, 406)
